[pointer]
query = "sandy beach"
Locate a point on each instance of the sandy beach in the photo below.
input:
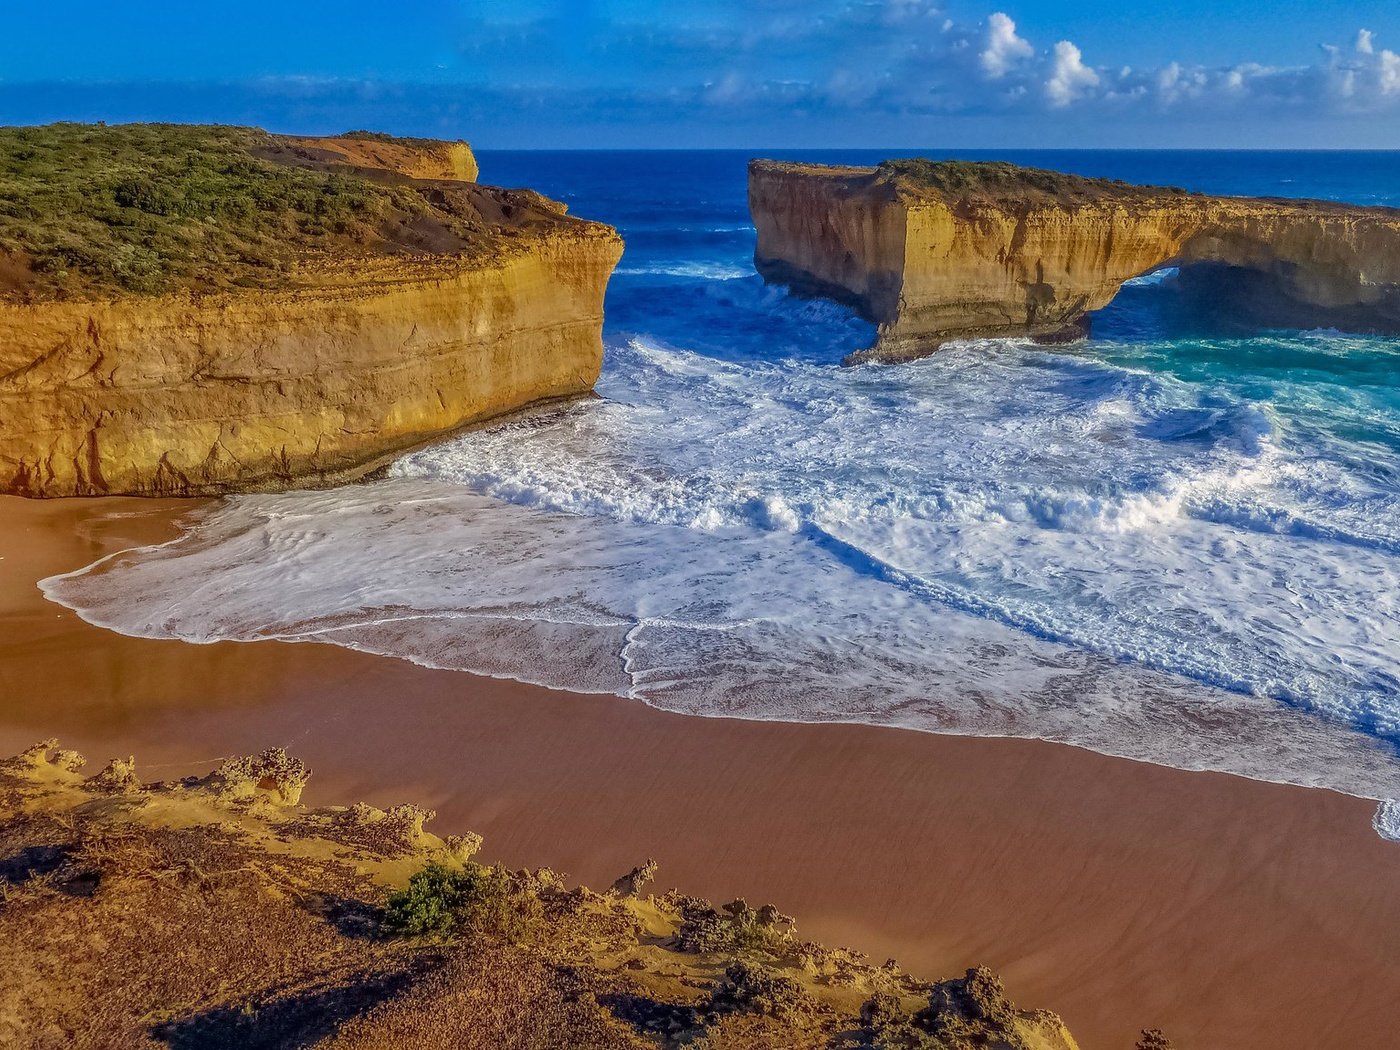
(1231, 913)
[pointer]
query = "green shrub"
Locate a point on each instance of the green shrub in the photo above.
(477, 900)
(750, 935)
(206, 206)
(964, 178)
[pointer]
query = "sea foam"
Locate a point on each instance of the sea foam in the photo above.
(1387, 820)
(1000, 541)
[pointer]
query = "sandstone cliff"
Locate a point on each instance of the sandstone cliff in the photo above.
(437, 303)
(933, 252)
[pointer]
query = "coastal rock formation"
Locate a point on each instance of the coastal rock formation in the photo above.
(185, 913)
(118, 775)
(631, 884)
(273, 775)
(938, 251)
(450, 304)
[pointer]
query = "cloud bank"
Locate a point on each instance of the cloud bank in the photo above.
(896, 56)
(711, 72)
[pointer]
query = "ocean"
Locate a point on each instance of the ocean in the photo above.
(1177, 541)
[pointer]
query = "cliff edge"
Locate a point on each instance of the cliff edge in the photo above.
(219, 911)
(954, 250)
(190, 310)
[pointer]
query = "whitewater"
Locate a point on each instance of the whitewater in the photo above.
(1175, 542)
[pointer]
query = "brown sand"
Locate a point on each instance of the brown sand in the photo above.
(1233, 914)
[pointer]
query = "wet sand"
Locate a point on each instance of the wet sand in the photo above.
(1234, 914)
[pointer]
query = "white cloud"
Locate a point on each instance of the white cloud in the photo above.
(1364, 78)
(1004, 48)
(1070, 78)
(1388, 73)
(1175, 83)
(911, 58)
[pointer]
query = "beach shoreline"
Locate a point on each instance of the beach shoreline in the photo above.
(1228, 912)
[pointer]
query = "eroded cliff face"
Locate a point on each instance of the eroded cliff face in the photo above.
(939, 252)
(320, 381)
(185, 396)
(414, 158)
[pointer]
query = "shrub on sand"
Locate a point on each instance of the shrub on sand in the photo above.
(477, 900)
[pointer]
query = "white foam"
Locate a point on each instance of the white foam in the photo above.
(713, 271)
(1387, 820)
(735, 621)
(997, 540)
(1157, 277)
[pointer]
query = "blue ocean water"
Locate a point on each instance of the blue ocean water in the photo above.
(1177, 540)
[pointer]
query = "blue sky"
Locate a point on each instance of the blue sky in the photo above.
(795, 73)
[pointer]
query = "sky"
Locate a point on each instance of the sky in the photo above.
(725, 73)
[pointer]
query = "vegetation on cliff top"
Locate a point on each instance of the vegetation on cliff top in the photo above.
(998, 180)
(91, 210)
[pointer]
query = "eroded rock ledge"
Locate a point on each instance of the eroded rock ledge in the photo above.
(933, 252)
(217, 911)
(446, 303)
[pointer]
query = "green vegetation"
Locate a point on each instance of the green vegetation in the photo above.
(476, 899)
(384, 136)
(750, 934)
(964, 178)
(734, 928)
(147, 208)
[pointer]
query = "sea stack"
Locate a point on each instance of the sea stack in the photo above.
(250, 311)
(933, 252)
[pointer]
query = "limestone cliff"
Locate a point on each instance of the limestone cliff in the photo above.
(933, 252)
(453, 303)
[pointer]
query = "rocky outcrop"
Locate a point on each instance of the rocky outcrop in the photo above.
(938, 251)
(632, 884)
(974, 1009)
(273, 775)
(479, 302)
(217, 910)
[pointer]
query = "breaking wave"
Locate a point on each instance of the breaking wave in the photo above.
(1170, 543)
(998, 540)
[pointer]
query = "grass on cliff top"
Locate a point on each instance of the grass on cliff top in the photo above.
(148, 208)
(1000, 180)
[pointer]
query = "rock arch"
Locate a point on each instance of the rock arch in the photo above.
(939, 252)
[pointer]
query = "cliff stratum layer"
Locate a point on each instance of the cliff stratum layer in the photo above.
(938, 251)
(198, 310)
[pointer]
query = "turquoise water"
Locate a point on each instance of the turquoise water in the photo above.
(1177, 540)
